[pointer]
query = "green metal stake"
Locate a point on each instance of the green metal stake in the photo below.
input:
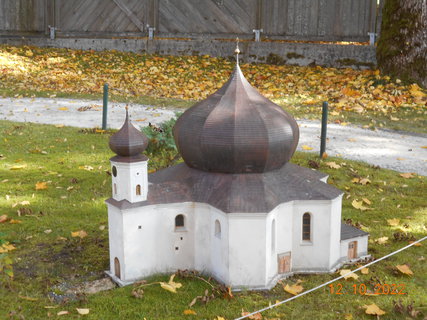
(324, 125)
(105, 107)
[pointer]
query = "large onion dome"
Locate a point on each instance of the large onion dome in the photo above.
(128, 141)
(236, 130)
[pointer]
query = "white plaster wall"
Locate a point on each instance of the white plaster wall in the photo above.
(362, 247)
(129, 175)
(315, 254)
(247, 243)
(152, 249)
(282, 215)
(335, 231)
(115, 234)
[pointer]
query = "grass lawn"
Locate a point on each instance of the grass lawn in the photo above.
(362, 97)
(53, 181)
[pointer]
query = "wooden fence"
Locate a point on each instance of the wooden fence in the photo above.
(326, 20)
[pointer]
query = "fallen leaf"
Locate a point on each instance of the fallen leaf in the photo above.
(294, 289)
(333, 165)
(18, 167)
(400, 159)
(405, 269)
(82, 311)
(61, 313)
(324, 155)
(364, 270)
(418, 244)
(220, 318)
(381, 240)
(24, 203)
(189, 312)
(408, 175)
(393, 222)
(374, 310)
(59, 125)
(364, 181)
(367, 201)
(13, 221)
(349, 275)
(63, 109)
(41, 185)
(358, 205)
(168, 287)
(81, 234)
(348, 316)
(256, 316)
(48, 231)
(28, 298)
(304, 147)
(3, 218)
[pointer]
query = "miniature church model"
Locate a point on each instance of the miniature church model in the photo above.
(236, 209)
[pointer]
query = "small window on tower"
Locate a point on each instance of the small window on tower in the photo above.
(180, 222)
(115, 189)
(138, 190)
(217, 229)
(114, 171)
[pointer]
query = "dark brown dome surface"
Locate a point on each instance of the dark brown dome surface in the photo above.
(236, 130)
(128, 141)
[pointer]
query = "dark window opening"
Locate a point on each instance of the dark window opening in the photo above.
(114, 171)
(306, 227)
(179, 221)
(138, 190)
(139, 227)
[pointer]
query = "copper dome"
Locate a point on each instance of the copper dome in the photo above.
(236, 130)
(128, 141)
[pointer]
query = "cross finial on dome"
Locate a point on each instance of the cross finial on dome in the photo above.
(237, 51)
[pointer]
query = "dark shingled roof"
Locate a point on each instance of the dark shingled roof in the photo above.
(243, 193)
(348, 232)
(236, 130)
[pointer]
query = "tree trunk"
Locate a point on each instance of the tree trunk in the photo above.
(402, 46)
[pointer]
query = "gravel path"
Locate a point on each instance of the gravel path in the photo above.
(392, 150)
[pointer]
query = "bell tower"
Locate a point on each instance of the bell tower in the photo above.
(129, 166)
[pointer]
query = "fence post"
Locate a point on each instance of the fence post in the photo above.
(324, 126)
(105, 107)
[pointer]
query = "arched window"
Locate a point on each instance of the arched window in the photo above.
(179, 222)
(217, 229)
(114, 171)
(306, 227)
(273, 236)
(138, 190)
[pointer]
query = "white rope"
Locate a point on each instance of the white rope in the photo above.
(329, 282)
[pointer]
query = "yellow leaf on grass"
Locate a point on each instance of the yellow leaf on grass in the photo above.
(220, 318)
(294, 289)
(415, 91)
(393, 222)
(82, 311)
(349, 275)
(41, 185)
(333, 165)
(358, 205)
(348, 316)
(81, 234)
(62, 313)
(59, 125)
(405, 269)
(382, 240)
(86, 167)
(13, 221)
(374, 310)
(256, 316)
(28, 298)
(3, 218)
(407, 175)
(18, 167)
(63, 108)
(364, 181)
(367, 201)
(189, 312)
(364, 270)
(418, 244)
(168, 287)
(304, 147)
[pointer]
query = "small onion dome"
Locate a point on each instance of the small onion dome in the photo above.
(236, 130)
(128, 141)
